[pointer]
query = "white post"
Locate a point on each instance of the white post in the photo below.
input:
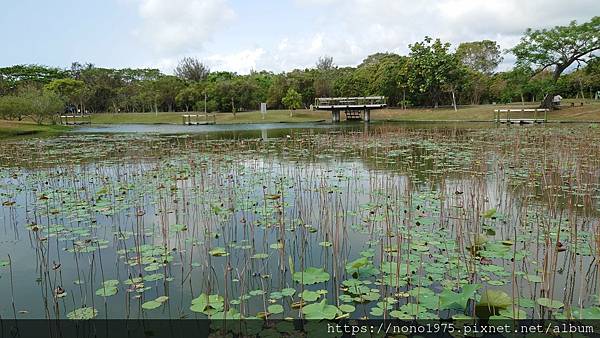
(454, 101)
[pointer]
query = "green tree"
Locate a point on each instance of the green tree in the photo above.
(30, 75)
(558, 48)
(41, 105)
(433, 69)
(277, 91)
(167, 87)
(71, 91)
(292, 100)
(191, 69)
(325, 63)
(190, 95)
(481, 56)
(13, 107)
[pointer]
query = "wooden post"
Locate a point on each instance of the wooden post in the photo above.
(335, 116)
(367, 115)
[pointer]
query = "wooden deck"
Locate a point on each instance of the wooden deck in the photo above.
(521, 121)
(353, 115)
(73, 120)
(355, 108)
(536, 118)
(329, 103)
(199, 119)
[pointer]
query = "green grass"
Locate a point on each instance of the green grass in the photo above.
(590, 111)
(22, 128)
(221, 118)
(482, 113)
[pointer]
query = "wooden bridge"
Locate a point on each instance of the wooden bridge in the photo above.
(75, 119)
(355, 108)
(520, 120)
(198, 119)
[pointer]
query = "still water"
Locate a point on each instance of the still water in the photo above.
(302, 220)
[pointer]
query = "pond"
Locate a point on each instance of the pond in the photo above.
(309, 221)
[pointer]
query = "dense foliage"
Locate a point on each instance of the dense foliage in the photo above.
(430, 75)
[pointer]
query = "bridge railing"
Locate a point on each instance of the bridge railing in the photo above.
(350, 101)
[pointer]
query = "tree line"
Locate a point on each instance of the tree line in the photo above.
(556, 60)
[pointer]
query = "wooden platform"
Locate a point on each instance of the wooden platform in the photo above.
(199, 123)
(536, 118)
(355, 108)
(350, 103)
(199, 119)
(353, 115)
(521, 121)
(73, 120)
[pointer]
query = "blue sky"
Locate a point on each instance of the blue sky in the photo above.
(276, 35)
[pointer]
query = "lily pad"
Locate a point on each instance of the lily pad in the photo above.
(107, 291)
(83, 313)
(311, 276)
(320, 310)
(275, 309)
(151, 305)
(550, 303)
(218, 252)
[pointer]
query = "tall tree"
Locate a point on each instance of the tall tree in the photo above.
(71, 91)
(292, 100)
(558, 48)
(325, 63)
(482, 56)
(191, 69)
(433, 69)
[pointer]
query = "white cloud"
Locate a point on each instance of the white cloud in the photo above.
(347, 30)
(350, 30)
(176, 26)
(241, 62)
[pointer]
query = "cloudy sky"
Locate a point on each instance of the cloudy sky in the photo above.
(276, 35)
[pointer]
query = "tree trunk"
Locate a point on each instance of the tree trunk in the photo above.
(547, 101)
(453, 100)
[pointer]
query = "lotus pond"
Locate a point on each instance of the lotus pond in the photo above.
(392, 221)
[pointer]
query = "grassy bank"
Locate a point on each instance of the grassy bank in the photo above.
(587, 112)
(22, 128)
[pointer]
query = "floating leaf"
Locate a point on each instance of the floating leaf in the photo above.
(519, 314)
(311, 276)
(550, 303)
(83, 313)
(320, 310)
(310, 296)
(275, 309)
(489, 213)
(347, 308)
(288, 292)
(151, 305)
(107, 291)
(218, 252)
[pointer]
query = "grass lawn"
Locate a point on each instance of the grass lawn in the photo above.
(222, 118)
(21, 128)
(588, 112)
